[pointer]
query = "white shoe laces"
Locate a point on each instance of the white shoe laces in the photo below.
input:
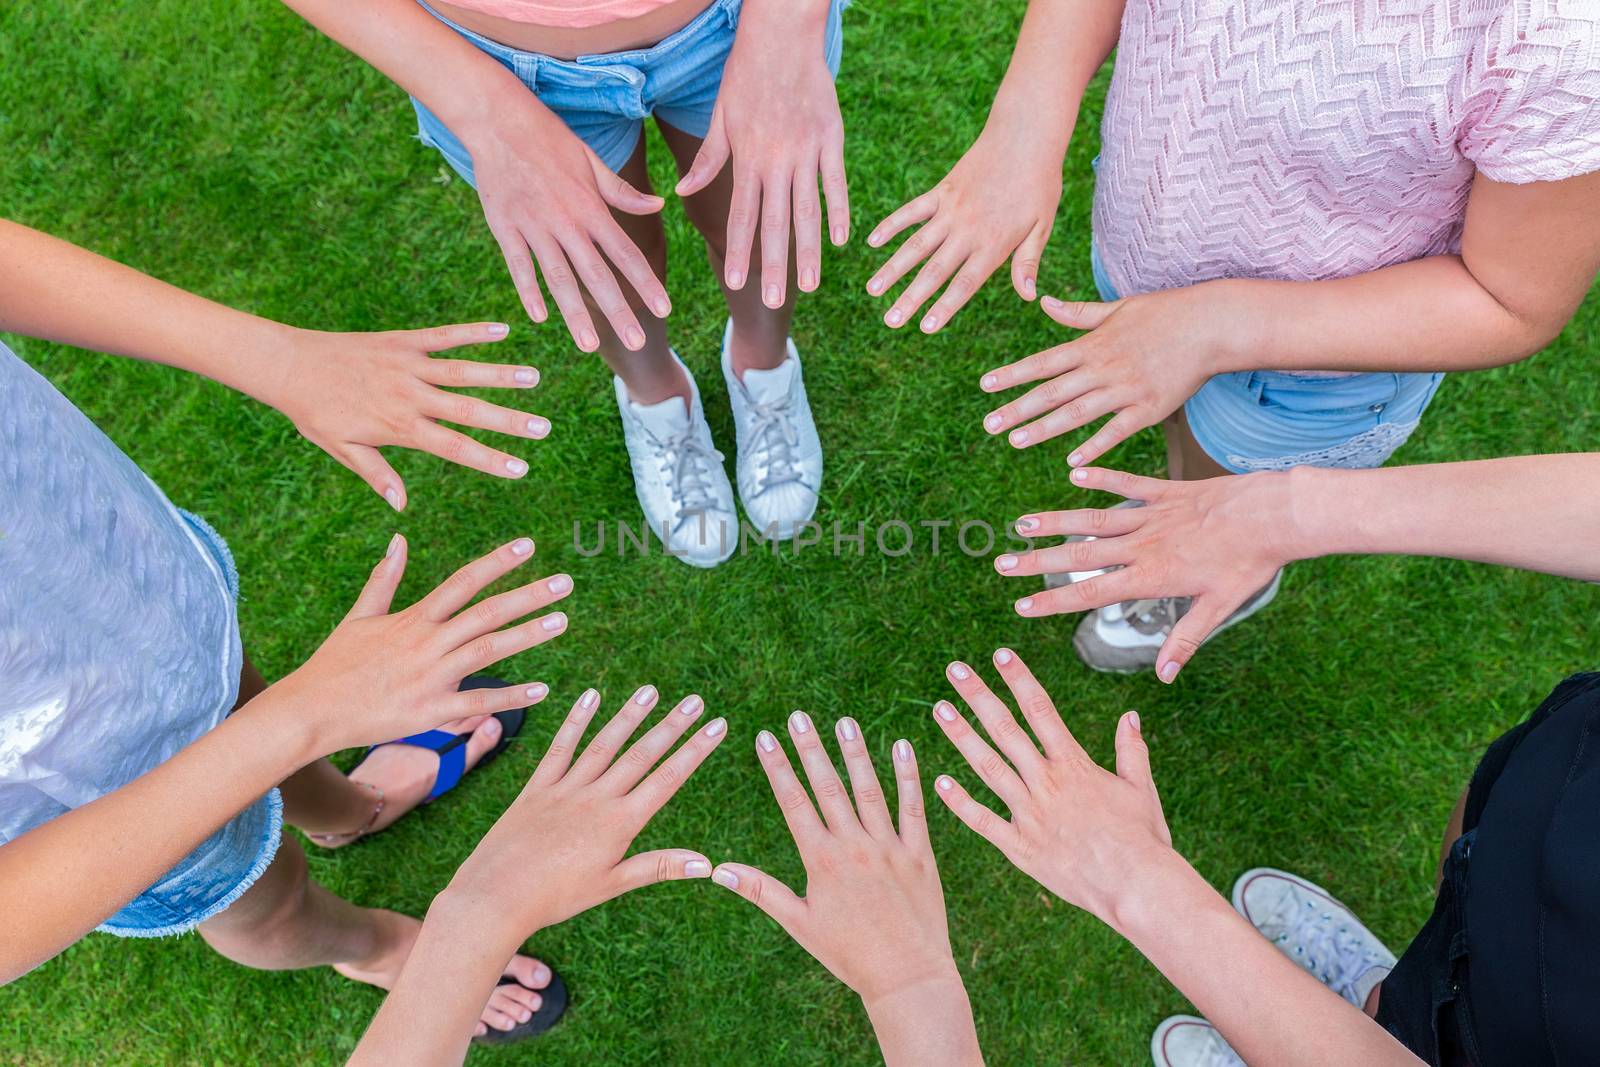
(685, 463)
(1334, 953)
(775, 439)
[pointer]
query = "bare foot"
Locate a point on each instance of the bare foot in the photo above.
(508, 1005)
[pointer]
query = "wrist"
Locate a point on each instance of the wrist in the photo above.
(1144, 895)
(288, 724)
(1307, 507)
(1235, 310)
(925, 1021)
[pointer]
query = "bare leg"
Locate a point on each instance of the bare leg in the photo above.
(1186, 460)
(760, 333)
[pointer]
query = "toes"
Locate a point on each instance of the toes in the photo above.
(482, 739)
(520, 999)
(498, 1019)
(529, 972)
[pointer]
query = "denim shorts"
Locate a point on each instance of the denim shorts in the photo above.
(604, 99)
(1273, 420)
(217, 873)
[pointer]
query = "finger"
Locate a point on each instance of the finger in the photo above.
(458, 590)
(1084, 522)
(1096, 592)
(870, 805)
(744, 208)
(603, 289)
(1061, 391)
(836, 189)
(934, 273)
(1025, 261)
(793, 800)
(514, 249)
(1109, 436)
(807, 228)
(908, 214)
(635, 267)
(603, 749)
(503, 609)
(994, 771)
(1079, 314)
(1205, 614)
(968, 280)
(1070, 558)
(1037, 707)
(369, 465)
(1131, 486)
(458, 448)
(666, 779)
(563, 285)
(558, 757)
(824, 780)
(1010, 738)
(441, 338)
(913, 250)
(1040, 365)
(662, 865)
(709, 160)
(618, 193)
(977, 817)
(378, 594)
(775, 211)
(464, 373)
(485, 651)
(1133, 755)
(635, 763)
(765, 892)
(490, 699)
(470, 411)
(1072, 416)
(908, 784)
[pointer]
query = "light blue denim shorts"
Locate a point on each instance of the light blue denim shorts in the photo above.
(604, 99)
(1271, 420)
(206, 881)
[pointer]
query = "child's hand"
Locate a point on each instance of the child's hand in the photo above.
(382, 675)
(777, 117)
(996, 202)
(353, 393)
(575, 821)
(1217, 541)
(873, 913)
(1143, 357)
(1080, 831)
(543, 190)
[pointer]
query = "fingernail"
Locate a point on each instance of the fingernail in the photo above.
(1169, 670)
(735, 279)
(516, 467)
(538, 691)
(1052, 302)
(874, 287)
(662, 308)
(839, 235)
(552, 623)
(1026, 523)
(498, 329)
(800, 722)
(902, 751)
(1024, 604)
(724, 877)
(945, 783)
(992, 423)
(1006, 563)
(1080, 475)
(808, 279)
(945, 710)
(696, 869)
(959, 672)
(538, 427)
(774, 297)
(541, 974)
(874, 238)
(634, 338)
(1019, 437)
(589, 699)
(1075, 460)
(394, 546)
(715, 727)
(527, 376)
(1003, 656)
(692, 706)
(895, 317)
(588, 340)
(645, 695)
(392, 495)
(847, 729)
(930, 323)
(990, 381)
(1133, 720)
(521, 546)
(1029, 287)
(559, 584)
(766, 741)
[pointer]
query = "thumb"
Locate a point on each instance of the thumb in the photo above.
(370, 466)
(764, 891)
(1133, 755)
(1204, 615)
(378, 593)
(662, 865)
(1079, 314)
(616, 191)
(709, 161)
(1025, 261)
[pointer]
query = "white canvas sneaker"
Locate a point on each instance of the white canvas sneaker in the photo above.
(779, 466)
(1187, 1041)
(1316, 931)
(678, 476)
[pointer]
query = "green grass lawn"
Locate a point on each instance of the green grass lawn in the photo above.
(229, 148)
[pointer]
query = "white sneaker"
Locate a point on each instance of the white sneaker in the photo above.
(1187, 1041)
(1125, 638)
(678, 475)
(1315, 930)
(779, 466)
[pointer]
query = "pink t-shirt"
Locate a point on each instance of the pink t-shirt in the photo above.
(1309, 139)
(568, 14)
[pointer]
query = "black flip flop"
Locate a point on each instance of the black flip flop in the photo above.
(552, 1006)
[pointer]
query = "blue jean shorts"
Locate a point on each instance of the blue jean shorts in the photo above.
(1271, 420)
(604, 99)
(217, 873)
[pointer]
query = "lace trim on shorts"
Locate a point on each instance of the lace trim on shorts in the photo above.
(1366, 449)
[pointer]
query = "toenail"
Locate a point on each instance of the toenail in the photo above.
(541, 974)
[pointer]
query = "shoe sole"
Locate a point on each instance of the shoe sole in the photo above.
(1231, 621)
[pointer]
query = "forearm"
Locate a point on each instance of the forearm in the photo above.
(1059, 49)
(1269, 1009)
(75, 871)
(926, 1023)
(1535, 512)
(59, 292)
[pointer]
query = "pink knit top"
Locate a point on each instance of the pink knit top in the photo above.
(1307, 139)
(568, 14)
